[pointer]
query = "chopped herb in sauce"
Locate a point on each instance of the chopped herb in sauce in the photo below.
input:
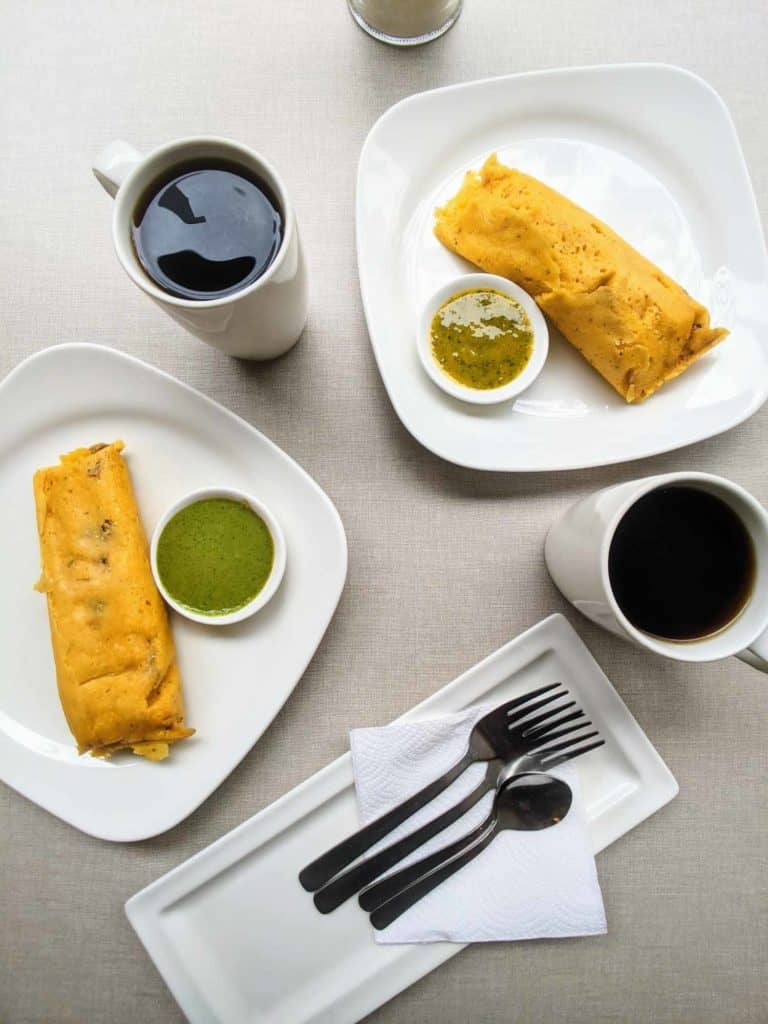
(481, 338)
(215, 555)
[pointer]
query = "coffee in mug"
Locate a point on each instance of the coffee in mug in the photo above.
(206, 229)
(681, 563)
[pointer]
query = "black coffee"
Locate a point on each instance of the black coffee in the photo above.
(681, 563)
(203, 231)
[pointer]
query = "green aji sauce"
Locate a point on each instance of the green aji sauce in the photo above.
(215, 555)
(482, 338)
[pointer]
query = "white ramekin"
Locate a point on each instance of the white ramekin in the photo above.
(482, 396)
(278, 563)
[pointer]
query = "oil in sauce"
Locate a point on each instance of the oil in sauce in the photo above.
(481, 338)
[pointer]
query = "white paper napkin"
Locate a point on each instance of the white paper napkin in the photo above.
(526, 885)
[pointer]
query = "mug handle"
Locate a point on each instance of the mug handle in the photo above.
(113, 165)
(756, 654)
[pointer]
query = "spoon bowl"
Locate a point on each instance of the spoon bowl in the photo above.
(533, 801)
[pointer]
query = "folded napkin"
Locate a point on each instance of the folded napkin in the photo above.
(526, 885)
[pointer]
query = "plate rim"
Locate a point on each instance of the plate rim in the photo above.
(145, 908)
(758, 398)
(134, 834)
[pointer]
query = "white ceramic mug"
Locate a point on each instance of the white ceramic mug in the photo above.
(576, 552)
(266, 317)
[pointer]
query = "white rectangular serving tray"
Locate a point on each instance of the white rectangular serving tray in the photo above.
(237, 939)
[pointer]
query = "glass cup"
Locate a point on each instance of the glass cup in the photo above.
(405, 22)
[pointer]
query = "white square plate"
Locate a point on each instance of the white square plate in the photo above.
(235, 678)
(650, 149)
(237, 939)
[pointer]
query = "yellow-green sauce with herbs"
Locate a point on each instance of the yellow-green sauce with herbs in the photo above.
(481, 338)
(215, 555)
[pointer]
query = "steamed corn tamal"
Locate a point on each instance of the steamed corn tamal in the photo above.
(633, 323)
(115, 662)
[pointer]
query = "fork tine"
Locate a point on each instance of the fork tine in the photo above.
(552, 723)
(526, 697)
(543, 752)
(545, 716)
(560, 732)
(519, 713)
(552, 762)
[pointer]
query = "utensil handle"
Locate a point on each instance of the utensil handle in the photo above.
(315, 875)
(376, 895)
(351, 881)
(392, 909)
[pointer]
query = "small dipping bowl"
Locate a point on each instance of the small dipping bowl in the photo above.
(278, 561)
(483, 396)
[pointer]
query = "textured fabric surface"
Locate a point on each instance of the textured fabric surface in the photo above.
(532, 885)
(686, 895)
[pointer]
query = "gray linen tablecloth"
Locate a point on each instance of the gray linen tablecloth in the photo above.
(686, 892)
